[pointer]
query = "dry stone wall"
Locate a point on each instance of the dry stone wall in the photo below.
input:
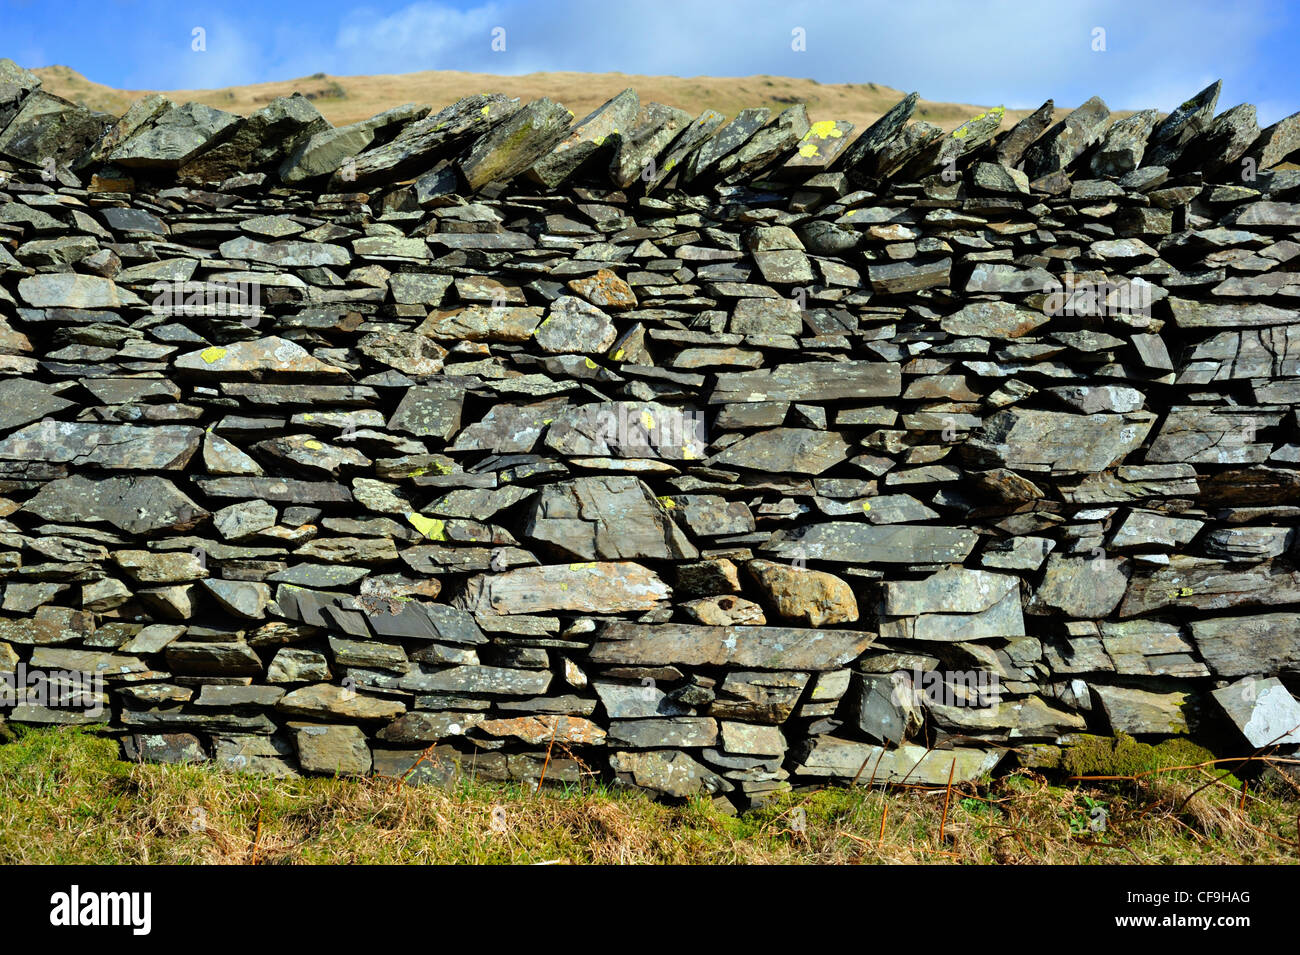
(708, 455)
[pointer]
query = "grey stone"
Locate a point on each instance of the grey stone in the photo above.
(175, 137)
(607, 518)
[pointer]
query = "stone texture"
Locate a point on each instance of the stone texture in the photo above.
(717, 452)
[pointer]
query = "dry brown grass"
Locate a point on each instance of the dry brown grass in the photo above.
(64, 797)
(347, 99)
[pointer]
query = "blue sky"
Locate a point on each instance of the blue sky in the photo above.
(1014, 52)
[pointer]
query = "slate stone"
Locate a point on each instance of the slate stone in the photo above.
(810, 381)
(598, 131)
(864, 544)
(333, 750)
(1055, 441)
(1088, 587)
(1011, 146)
(596, 587)
(324, 701)
(264, 138)
(1180, 126)
(431, 410)
(678, 731)
(23, 401)
(1067, 140)
(15, 84)
(793, 450)
(899, 277)
(1142, 712)
(69, 290)
(138, 505)
(828, 756)
(120, 446)
(862, 160)
(1124, 144)
(573, 325)
(256, 359)
(49, 127)
(766, 648)
(516, 144)
(1276, 142)
(766, 146)
(174, 137)
(326, 150)
(727, 140)
(1188, 581)
(606, 518)
(419, 142)
(1244, 645)
(1263, 710)
(479, 680)
(670, 772)
(655, 127)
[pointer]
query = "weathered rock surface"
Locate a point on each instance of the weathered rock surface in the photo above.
(716, 453)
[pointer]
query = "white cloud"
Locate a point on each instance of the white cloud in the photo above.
(1158, 52)
(422, 36)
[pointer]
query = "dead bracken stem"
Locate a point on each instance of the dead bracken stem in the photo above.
(549, 746)
(947, 797)
(257, 835)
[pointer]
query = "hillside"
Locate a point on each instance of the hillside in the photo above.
(347, 99)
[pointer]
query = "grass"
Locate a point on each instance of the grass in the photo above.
(66, 798)
(348, 99)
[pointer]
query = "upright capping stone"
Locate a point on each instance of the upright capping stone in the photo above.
(48, 127)
(263, 139)
(1010, 147)
(860, 160)
(680, 151)
(600, 130)
(1067, 140)
(1180, 126)
(174, 137)
(327, 150)
(513, 146)
(421, 142)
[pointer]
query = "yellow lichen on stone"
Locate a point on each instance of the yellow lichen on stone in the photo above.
(313, 445)
(589, 363)
(647, 421)
(215, 353)
(430, 527)
(825, 129)
(808, 151)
